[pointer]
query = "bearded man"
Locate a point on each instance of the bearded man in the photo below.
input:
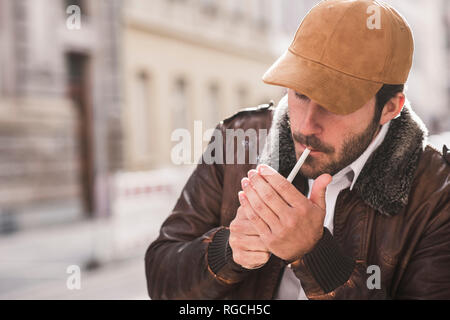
(368, 215)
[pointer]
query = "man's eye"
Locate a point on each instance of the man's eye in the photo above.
(301, 96)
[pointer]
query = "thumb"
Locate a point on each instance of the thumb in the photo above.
(318, 190)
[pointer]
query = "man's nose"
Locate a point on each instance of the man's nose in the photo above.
(311, 118)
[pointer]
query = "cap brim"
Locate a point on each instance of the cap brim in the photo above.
(333, 90)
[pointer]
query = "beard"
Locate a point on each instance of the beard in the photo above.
(353, 146)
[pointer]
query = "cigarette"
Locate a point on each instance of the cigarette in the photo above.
(298, 165)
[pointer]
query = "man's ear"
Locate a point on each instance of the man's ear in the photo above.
(392, 108)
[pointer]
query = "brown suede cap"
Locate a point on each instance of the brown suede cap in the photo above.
(343, 53)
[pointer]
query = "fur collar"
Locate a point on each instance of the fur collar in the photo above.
(385, 181)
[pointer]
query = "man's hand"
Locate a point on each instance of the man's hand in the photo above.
(248, 249)
(288, 223)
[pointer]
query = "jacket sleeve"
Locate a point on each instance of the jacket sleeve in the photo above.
(327, 273)
(176, 263)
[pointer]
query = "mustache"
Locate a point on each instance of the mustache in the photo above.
(312, 142)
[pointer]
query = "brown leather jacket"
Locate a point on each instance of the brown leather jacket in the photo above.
(396, 217)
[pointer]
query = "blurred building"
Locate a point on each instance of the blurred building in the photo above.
(187, 60)
(59, 110)
(446, 126)
(429, 81)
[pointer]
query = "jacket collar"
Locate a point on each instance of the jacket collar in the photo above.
(386, 178)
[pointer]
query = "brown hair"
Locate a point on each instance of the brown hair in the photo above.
(386, 93)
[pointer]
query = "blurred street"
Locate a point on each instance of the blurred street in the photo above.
(30, 274)
(110, 253)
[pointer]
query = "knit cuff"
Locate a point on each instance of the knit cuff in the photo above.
(327, 263)
(220, 258)
(219, 251)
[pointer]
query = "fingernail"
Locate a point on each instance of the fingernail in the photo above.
(264, 170)
(241, 197)
(251, 173)
(245, 182)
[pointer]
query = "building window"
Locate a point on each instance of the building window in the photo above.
(262, 15)
(209, 7)
(447, 23)
(242, 97)
(142, 115)
(237, 10)
(80, 3)
(179, 111)
(213, 106)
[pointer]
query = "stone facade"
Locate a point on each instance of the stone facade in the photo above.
(59, 127)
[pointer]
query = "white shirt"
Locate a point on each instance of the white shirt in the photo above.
(290, 286)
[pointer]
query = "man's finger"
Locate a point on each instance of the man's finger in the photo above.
(267, 194)
(257, 259)
(251, 260)
(259, 207)
(248, 243)
(283, 187)
(261, 227)
(243, 224)
(319, 189)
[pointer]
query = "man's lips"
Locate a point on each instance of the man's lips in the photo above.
(312, 150)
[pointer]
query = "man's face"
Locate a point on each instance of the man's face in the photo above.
(336, 140)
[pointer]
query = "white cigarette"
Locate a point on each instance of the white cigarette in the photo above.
(298, 165)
